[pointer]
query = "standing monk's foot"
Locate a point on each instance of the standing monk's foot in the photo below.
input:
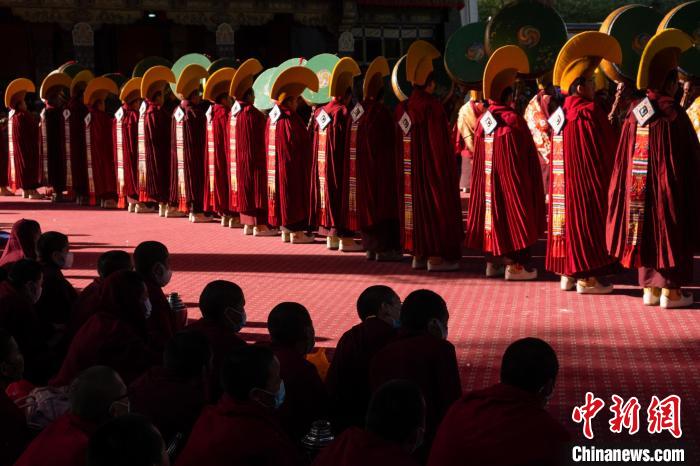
(225, 220)
(199, 218)
(390, 256)
(438, 264)
(173, 212)
(516, 272)
(162, 207)
(676, 298)
(143, 208)
(286, 236)
(264, 230)
(301, 237)
(567, 283)
(371, 255)
(652, 296)
(5, 191)
(131, 207)
(332, 242)
(495, 270)
(247, 230)
(419, 263)
(349, 245)
(33, 194)
(593, 286)
(235, 222)
(109, 204)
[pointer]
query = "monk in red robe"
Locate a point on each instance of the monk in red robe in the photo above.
(76, 152)
(506, 212)
(289, 156)
(58, 294)
(431, 226)
(218, 196)
(395, 426)
(583, 146)
(331, 125)
(23, 136)
(4, 159)
(348, 386)
(223, 316)
(14, 434)
(128, 440)
(52, 145)
(96, 395)
(422, 354)
(652, 219)
(126, 145)
(506, 424)
(293, 337)
(22, 243)
(189, 147)
(173, 395)
(370, 203)
(242, 426)
(116, 336)
(247, 149)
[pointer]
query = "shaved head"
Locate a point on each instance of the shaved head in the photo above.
(94, 391)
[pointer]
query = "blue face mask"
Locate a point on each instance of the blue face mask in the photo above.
(280, 395)
(237, 326)
(396, 323)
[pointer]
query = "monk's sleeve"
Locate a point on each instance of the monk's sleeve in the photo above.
(450, 384)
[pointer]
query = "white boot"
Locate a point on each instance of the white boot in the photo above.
(495, 270)
(675, 299)
(516, 272)
(652, 296)
(592, 286)
(567, 283)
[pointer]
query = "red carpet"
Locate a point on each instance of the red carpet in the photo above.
(606, 344)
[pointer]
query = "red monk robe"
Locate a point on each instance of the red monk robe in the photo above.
(517, 195)
(289, 206)
(86, 304)
(588, 146)
(24, 149)
(4, 158)
(78, 155)
(500, 425)
(236, 433)
(157, 139)
(163, 323)
(251, 168)
(54, 146)
(359, 447)
(431, 212)
(194, 146)
(327, 168)
(218, 198)
(65, 441)
(130, 151)
(14, 434)
(670, 229)
(22, 243)
(348, 375)
(374, 211)
(103, 169)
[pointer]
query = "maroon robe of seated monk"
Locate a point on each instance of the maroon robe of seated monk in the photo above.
(218, 198)
(348, 375)
(14, 434)
(356, 446)
(57, 296)
(78, 155)
(667, 200)
(157, 128)
(327, 168)
(4, 155)
(234, 433)
(187, 179)
(86, 304)
(306, 397)
(53, 147)
(24, 149)
(251, 169)
(430, 209)
(101, 155)
(428, 361)
(585, 152)
(22, 242)
(163, 323)
(370, 200)
(288, 204)
(515, 191)
(129, 126)
(501, 425)
(172, 403)
(64, 441)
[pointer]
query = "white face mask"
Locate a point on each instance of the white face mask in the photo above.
(148, 308)
(67, 261)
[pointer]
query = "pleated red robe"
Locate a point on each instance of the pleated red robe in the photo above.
(431, 203)
(517, 194)
(25, 145)
(289, 205)
(327, 168)
(375, 209)
(670, 232)
(194, 147)
(251, 169)
(78, 155)
(589, 143)
(219, 200)
(4, 155)
(130, 147)
(65, 440)
(14, 434)
(54, 146)
(157, 128)
(358, 447)
(104, 172)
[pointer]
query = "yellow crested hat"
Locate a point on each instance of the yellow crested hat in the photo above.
(581, 55)
(660, 56)
(131, 90)
(374, 77)
(419, 61)
(218, 83)
(601, 81)
(292, 82)
(81, 79)
(342, 75)
(502, 68)
(244, 77)
(189, 80)
(99, 89)
(155, 79)
(54, 82)
(16, 91)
